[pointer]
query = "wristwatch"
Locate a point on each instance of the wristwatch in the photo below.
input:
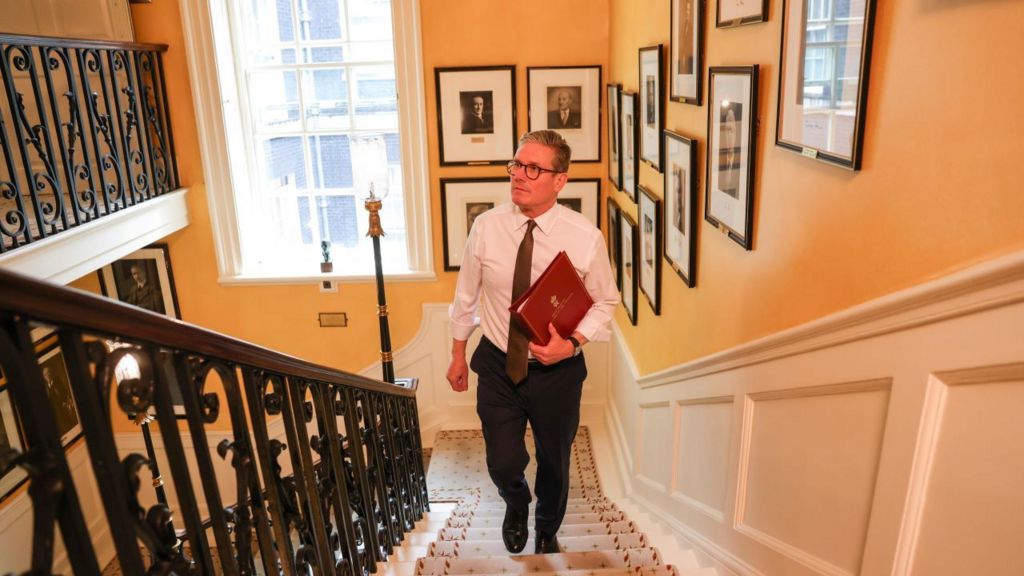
(576, 346)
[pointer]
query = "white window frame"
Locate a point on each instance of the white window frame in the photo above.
(223, 148)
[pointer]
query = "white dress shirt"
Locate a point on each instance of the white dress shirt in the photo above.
(484, 289)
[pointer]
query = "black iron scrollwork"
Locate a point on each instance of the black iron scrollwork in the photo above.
(87, 134)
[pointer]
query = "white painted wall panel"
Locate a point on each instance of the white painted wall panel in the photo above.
(972, 519)
(811, 467)
(702, 455)
(656, 441)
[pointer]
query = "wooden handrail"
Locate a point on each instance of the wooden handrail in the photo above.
(50, 303)
(62, 42)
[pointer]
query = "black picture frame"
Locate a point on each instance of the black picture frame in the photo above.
(630, 255)
(462, 200)
(614, 239)
(584, 196)
(13, 437)
(144, 279)
(579, 87)
(686, 47)
(823, 118)
(56, 377)
(614, 129)
(652, 105)
(680, 221)
(733, 13)
(650, 215)
(732, 146)
(463, 141)
(629, 147)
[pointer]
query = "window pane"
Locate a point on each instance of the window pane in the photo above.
(275, 100)
(284, 163)
(375, 101)
(370, 20)
(332, 162)
(336, 216)
(320, 20)
(326, 93)
(304, 219)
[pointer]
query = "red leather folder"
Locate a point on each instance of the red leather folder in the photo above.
(558, 296)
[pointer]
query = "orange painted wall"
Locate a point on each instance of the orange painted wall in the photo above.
(285, 317)
(936, 192)
(940, 186)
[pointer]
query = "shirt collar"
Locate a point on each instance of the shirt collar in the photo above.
(545, 222)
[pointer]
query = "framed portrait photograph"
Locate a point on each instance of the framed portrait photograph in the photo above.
(732, 13)
(144, 279)
(686, 47)
(821, 111)
(628, 142)
(476, 115)
(614, 158)
(11, 437)
(614, 241)
(652, 96)
(732, 110)
(568, 99)
(58, 387)
(462, 200)
(584, 196)
(649, 214)
(630, 254)
(680, 222)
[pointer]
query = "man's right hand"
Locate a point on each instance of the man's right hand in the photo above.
(458, 373)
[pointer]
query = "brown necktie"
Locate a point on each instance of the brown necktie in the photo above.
(518, 341)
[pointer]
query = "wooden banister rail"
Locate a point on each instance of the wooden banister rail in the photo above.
(356, 486)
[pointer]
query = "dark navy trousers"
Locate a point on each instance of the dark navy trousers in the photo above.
(549, 400)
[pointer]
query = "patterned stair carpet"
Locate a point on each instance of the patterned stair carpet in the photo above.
(596, 537)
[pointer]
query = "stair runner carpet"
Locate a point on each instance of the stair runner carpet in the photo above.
(596, 537)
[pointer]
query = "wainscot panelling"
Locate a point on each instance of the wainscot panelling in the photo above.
(966, 512)
(881, 440)
(655, 441)
(702, 454)
(832, 435)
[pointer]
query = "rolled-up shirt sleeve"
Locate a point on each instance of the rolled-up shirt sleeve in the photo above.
(600, 283)
(462, 313)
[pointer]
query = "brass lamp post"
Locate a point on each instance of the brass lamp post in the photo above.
(373, 206)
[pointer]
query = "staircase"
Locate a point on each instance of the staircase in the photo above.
(463, 534)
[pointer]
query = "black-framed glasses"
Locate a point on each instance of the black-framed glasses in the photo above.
(532, 170)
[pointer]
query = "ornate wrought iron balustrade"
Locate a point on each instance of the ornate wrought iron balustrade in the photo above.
(319, 471)
(84, 132)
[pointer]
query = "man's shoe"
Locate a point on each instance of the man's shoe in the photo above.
(513, 530)
(546, 544)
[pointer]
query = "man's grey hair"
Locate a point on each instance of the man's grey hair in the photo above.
(554, 141)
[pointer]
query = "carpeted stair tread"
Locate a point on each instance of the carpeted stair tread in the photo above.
(596, 537)
(567, 530)
(440, 565)
(465, 548)
(495, 521)
(499, 511)
(634, 571)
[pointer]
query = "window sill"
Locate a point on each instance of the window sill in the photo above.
(269, 280)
